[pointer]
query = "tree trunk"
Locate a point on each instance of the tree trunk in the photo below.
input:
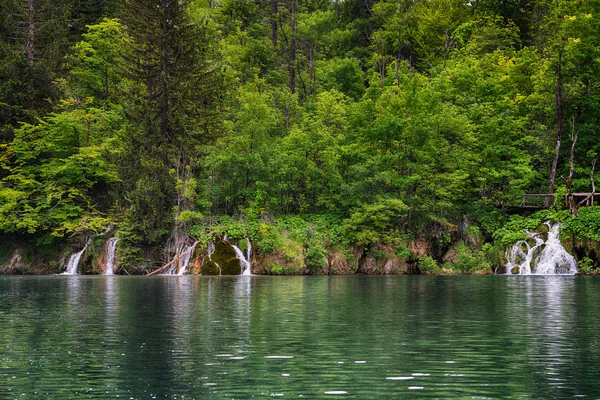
(31, 52)
(569, 181)
(559, 124)
(164, 78)
(311, 72)
(274, 22)
(293, 49)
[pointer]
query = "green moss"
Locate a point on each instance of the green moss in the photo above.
(210, 268)
(225, 259)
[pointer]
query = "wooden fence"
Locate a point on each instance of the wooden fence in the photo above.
(540, 201)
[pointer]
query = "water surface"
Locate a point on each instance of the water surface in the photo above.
(103, 337)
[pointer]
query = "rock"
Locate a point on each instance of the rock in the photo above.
(420, 247)
(223, 261)
(209, 267)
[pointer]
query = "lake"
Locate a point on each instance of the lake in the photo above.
(189, 337)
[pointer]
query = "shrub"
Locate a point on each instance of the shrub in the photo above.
(428, 265)
(470, 261)
(375, 223)
(586, 265)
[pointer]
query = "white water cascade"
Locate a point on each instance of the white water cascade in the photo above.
(185, 260)
(186, 256)
(245, 262)
(111, 249)
(211, 250)
(73, 264)
(249, 255)
(543, 258)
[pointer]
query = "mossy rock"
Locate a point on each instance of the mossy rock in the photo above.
(515, 270)
(224, 257)
(210, 268)
(543, 228)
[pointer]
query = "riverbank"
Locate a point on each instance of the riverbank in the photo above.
(316, 245)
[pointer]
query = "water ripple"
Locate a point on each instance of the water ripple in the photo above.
(309, 337)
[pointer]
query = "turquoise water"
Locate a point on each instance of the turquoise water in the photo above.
(104, 337)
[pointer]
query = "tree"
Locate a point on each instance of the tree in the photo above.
(33, 41)
(61, 171)
(97, 63)
(175, 100)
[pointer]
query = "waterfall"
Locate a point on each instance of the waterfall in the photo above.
(211, 250)
(73, 264)
(244, 263)
(249, 254)
(553, 259)
(186, 255)
(111, 248)
(516, 257)
(185, 260)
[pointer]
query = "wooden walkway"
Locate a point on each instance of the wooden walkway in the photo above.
(541, 201)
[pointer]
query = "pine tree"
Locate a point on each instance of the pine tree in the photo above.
(173, 109)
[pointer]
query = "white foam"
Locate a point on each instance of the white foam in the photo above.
(279, 356)
(553, 259)
(111, 248)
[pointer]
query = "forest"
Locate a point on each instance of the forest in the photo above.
(339, 136)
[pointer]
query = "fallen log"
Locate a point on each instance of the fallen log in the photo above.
(164, 267)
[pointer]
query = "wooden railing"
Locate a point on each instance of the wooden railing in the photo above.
(539, 201)
(536, 201)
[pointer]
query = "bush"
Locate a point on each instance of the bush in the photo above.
(375, 223)
(470, 261)
(586, 265)
(428, 265)
(586, 225)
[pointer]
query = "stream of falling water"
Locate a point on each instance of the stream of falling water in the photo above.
(547, 257)
(186, 255)
(111, 249)
(185, 260)
(244, 263)
(73, 265)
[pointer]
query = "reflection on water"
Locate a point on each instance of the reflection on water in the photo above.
(311, 337)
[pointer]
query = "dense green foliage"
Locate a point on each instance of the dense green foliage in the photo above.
(368, 123)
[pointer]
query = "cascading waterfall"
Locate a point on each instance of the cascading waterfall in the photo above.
(249, 255)
(186, 255)
(517, 257)
(245, 264)
(552, 259)
(211, 250)
(73, 264)
(185, 260)
(111, 248)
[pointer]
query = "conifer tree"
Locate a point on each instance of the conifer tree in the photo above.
(174, 91)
